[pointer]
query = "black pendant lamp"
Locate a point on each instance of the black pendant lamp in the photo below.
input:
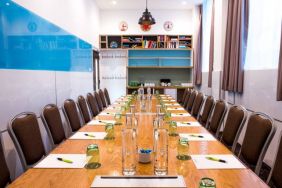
(146, 18)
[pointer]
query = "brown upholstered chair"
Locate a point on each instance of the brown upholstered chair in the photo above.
(191, 101)
(217, 116)
(4, 172)
(207, 109)
(93, 105)
(259, 133)
(107, 96)
(197, 105)
(71, 115)
(25, 133)
(275, 176)
(184, 96)
(53, 123)
(99, 101)
(102, 97)
(186, 99)
(83, 108)
(235, 120)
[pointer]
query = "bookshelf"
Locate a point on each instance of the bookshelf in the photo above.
(154, 57)
(146, 41)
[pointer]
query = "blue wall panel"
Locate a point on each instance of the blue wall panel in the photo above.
(30, 42)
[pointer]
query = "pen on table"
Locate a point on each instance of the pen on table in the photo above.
(102, 122)
(185, 123)
(199, 136)
(90, 135)
(64, 160)
(216, 159)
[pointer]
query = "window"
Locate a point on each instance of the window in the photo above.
(264, 35)
(207, 12)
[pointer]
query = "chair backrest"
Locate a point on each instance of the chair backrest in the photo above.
(191, 101)
(53, 123)
(93, 105)
(25, 133)
(107, 96)
(71, 114)
(187, 99)
(197, 105)
(235, 120)
(99, 101)
(217, 117)
(207, 109)
(103, 99)
(184, 95)
(275, 175)
(4, 172)
(82, 105)
(259, 133)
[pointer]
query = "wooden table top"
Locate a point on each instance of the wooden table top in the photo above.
(111, 159)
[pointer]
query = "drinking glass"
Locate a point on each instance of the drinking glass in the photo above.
(183, 149)
(172, 129)
(167, 116)
(158, 109)
(159, 121)
(129, 152)
(132, 109)
(161, 151)
(143, 105)
(118, 118)
(92, 157)
(109, 129)
(131, 121)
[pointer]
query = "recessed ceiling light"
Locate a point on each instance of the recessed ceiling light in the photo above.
(184, 2)
(114, 2)
(7, 4)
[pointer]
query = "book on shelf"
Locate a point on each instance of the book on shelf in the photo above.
(173, 44)
(131, 39)
(149, 44)
(161, 38)
(184, 37)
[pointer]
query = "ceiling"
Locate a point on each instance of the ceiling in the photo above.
(152, 4)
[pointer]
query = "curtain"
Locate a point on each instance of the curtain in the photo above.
(279, 83)
(211, 54)
(235, 45)
(197, 51)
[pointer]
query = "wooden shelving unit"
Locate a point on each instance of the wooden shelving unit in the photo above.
(146, 41)
(151, 58)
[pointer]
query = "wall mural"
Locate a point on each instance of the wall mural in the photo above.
(30, 42)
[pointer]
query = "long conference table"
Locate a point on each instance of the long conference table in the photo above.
(111, 157)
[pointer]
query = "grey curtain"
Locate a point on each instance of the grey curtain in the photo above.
(211, 54)
(235, 45)
(197, 51)
(279, 83)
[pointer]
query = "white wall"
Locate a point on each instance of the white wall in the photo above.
(80, 18)
(110, 19)
(113, 68)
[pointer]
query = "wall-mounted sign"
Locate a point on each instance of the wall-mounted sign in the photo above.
(123, 26)
(168, 25)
